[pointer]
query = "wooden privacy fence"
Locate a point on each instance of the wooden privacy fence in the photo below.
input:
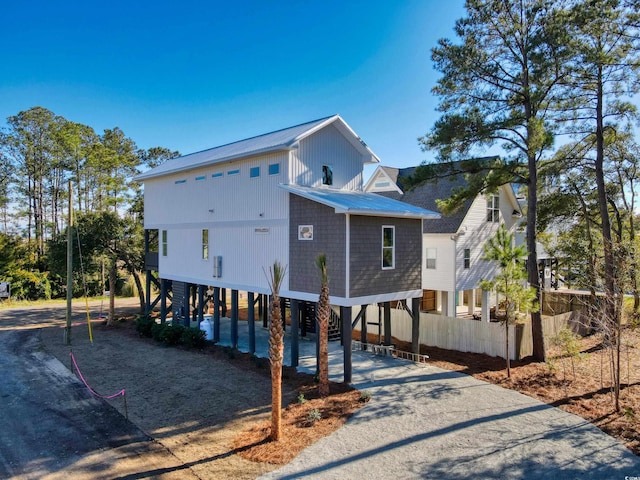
(465, 335)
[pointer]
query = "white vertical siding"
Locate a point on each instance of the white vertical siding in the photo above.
(476, 232)
(218, 199)
(326, 147)
(443, 276)
(244, 254)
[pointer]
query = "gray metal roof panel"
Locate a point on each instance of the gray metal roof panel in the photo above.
(269, 142)
(361, 203)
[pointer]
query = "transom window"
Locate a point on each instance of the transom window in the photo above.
(388, 247)
(431, 258)
(274, 169)
(493, 209)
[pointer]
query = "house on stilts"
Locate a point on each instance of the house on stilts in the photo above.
(219, 217)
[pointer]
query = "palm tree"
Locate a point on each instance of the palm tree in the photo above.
(276, 348)
(324, 310)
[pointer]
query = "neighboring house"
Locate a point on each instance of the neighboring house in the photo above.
(224, 215)
(452, 246)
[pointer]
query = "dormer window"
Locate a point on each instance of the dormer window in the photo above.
(327, 175)
(493, 209)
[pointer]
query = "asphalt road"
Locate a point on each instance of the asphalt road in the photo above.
(51, 426)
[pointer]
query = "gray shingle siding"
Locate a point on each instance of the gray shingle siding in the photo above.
(366, 275)
(329, 234)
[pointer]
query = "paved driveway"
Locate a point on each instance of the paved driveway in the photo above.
(425, 422)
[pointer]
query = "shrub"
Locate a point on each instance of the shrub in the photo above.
(301, 398)
(156, 331)
(171, 334)
(144, 324)
(365, 396)
(193, 337)
(313, 416)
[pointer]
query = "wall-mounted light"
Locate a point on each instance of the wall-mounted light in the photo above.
(211, 210)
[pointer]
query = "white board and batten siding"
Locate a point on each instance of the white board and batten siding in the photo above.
(442, 277)
(477, 230)
(246, 219)
(326, 147)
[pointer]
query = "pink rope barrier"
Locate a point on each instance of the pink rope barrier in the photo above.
(121, 392)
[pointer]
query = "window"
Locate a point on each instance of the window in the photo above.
(201, 177)
(164, 243)
(327, 175)
(467, 258)
(205, 244)
(254, 172)
(180, 182)
(233, 172)
(274, 169)
(493, 209)
(388, 247)
(217, 175)
(431, 258)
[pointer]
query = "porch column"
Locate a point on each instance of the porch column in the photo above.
(472, 301)
(387, 323)
(251, 317)
(200, 303)
(216, 314)
(415, 325)
(163, 300)
(486, 297)
(363, 329)
(345, 315)
(295, 321)
(234, 318)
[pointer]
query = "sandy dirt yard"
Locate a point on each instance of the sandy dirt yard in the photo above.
(192, 403)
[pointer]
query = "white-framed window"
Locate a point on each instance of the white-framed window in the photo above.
(327, 175)
(388, 247)
(180, 182)
(200, 178)
(305, 232)
(431, 255)
(274, 169)
(235, 171)
(467, 258)
(493, 208)
(254, 172)
(205, 244)
(164, 243)
(217, 175)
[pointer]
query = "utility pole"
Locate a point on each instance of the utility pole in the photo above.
(67, 330)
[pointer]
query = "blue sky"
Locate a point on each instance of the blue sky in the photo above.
(192, 75)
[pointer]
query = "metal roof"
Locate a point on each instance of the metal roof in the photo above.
(425, 196)
(360, 203)
(279, 140)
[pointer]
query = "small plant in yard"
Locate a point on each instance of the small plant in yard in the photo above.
(365, 396)
(313, 416)
(193, 338)
(301, 398)
(144, 324)
(569, 345)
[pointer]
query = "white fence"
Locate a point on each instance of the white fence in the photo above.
(465, 335)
